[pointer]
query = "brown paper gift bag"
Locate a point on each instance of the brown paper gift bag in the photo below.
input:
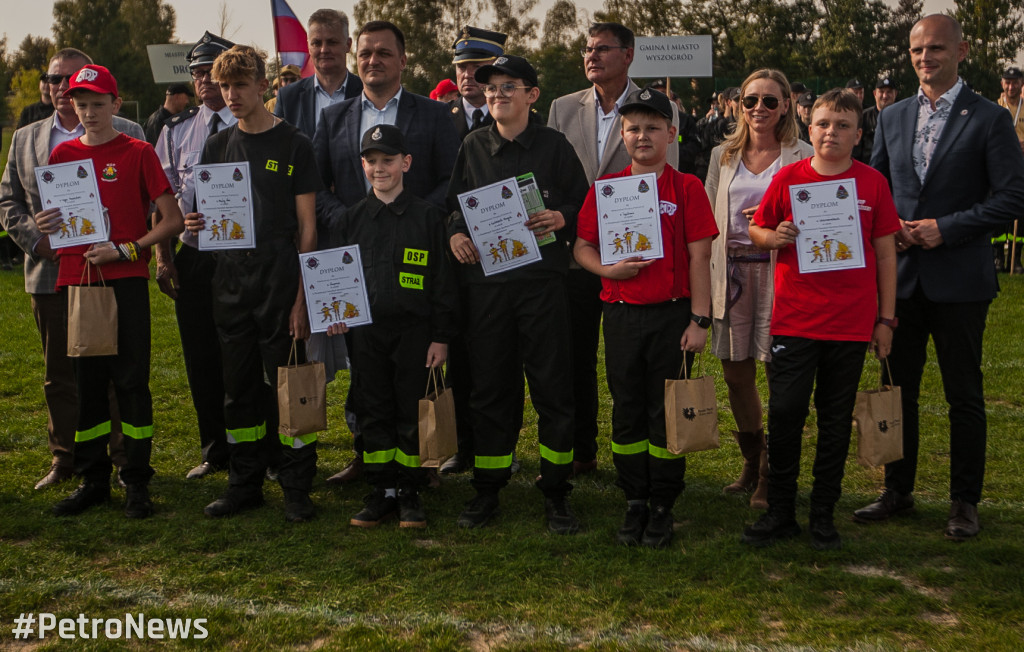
(92, 318)
(437, 423)
(301, 397)
(691, 414)
(879, 417)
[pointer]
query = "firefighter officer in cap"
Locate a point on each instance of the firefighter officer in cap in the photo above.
(475, 47)
(184, 275)
(885, 95)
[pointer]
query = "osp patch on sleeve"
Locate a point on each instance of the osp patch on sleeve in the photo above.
(411, 281)
(415, 257)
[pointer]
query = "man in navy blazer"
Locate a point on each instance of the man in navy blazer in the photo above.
(956, 172)
(300, 103)
(428, 130)
(429, 134)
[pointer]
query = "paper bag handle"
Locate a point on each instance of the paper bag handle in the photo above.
(699, 359)
(87, 277)
(881, 383)
(294, 354)
(434, 372)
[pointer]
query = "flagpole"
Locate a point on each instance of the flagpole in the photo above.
(277, 40)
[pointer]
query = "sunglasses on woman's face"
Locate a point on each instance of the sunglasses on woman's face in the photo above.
(770, 102)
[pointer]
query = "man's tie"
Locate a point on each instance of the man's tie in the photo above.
(478, 119)
(215, 124)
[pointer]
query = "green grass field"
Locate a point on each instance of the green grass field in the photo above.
(264, 584)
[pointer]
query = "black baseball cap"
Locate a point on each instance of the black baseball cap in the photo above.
(807, 98)
(885, 82)
(510, 65)
(384, 138)
(796, 88)
(1013, 72)
(854, 83)
(647, 99)
(174, 89)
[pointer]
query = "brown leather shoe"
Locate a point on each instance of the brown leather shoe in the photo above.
(350, 473)
(55, 475)
(963, 521)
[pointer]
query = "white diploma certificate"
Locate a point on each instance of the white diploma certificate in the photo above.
(72, 188)
(496, 217)
(828, 217)
(224, 197)
(335, 288)
(628, 218)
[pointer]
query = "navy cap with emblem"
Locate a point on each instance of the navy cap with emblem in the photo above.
(854, 83)
(807, 98)
(1013, 72)
(513, 66)
(885, 82)
(383, 138)
(475, 44)
(206, 50)
(647, 99)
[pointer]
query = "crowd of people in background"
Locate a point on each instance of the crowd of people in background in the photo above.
(342, 157)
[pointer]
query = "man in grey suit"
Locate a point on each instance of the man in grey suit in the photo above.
(956, 172)
(19, 202)
(329, 43)
(590, 121)
(426, 125)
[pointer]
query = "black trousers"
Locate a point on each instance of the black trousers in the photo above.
(957, 330)
(460, 378)
(128, 372)
(253, 294)
(831, 370)
(585, 306)
(641, 352)
(200, 348)
(517, 326)
(391, 380)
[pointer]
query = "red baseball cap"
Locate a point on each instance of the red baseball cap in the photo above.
(93, 78)
(443, 87)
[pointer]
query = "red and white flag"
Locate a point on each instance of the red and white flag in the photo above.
(290, 38)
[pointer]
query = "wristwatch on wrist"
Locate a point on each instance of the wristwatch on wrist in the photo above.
(703, 322)
(891, 323)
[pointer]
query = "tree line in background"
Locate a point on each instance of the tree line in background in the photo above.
(820, 42)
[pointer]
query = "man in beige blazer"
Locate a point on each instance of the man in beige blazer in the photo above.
(590, 121)
(19, 202)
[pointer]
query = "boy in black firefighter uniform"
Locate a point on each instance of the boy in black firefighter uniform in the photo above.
(413, 301)
(258, 302)
(518, 319)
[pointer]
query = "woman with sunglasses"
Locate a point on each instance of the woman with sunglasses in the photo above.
(764, 141)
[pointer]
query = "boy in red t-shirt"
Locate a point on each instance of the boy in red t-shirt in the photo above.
(130, 178)
(654, 311)
(822, 321)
